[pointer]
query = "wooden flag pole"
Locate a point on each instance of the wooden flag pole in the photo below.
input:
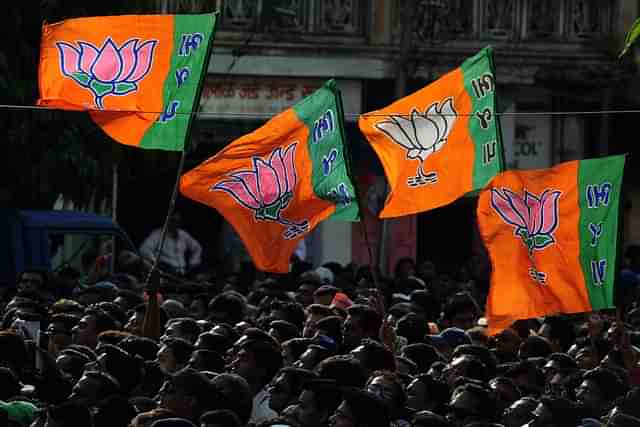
(187, 138)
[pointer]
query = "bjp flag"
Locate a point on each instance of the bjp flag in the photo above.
(137, 75)
(552, 236)
(440, 142)
(277, 183)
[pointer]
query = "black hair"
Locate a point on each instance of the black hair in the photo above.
(223, 417)
(377, 357)
(370, 318)
(140, 346)
(180, 348)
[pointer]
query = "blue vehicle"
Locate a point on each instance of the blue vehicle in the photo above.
(53, 240)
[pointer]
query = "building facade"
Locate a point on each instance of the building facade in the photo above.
(551, 56)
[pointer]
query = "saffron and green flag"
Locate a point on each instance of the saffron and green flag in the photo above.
(440, 142)
(137, 75)
(277, 183)
(552, 236)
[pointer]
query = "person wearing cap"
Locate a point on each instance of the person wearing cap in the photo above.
(447, 340)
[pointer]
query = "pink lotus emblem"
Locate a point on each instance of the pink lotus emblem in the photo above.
(535, 218)
(267, 189)
(109, 70)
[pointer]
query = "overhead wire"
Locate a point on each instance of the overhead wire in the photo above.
(241, 115)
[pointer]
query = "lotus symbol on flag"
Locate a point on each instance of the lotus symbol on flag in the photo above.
(267, 189)
(108, 70)
(535, 218)
(421, 135)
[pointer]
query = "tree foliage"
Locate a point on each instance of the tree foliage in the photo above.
(47, 153)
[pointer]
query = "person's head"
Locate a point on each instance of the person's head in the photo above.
(345, 370)
(293, 349)
(72, 362)
(220, 418)
(599, 388)
(534, 346)
(234, 394)
(429, 419)
(114, 411)
(32, 281)
(287, 386)
(304, 293)
(554, 412)
(508, 343)
(461, 311)
(174, 354)
(519, 412)
(59, 332)
(206, 360)
(470, 402)
(68, 414)
(389, 388)
(360, 408)
(257, 361)
(91, 325)
(282, 330)
(144, 347)
(362, 322)
(93, 387)
(527, 376)
(505, 392)
(126, 369)
(332, 327)
(426, 393)
(374, 356)
(423, 355)
(315, 404)
(313, 355)
(405, 267)
(228, 307)
(559, 331)
(183, 327)
(325, 293)
(314, 313)
(214, 342)
(187, 393)
(465, 366)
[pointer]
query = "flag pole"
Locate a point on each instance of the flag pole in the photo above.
(187, 139)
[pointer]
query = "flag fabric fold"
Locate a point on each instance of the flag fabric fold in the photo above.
(440, 142)
(137, 75)
(552, 237)
(276, 184)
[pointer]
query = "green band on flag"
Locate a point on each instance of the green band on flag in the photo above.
(192, 35)
(599, 187)
(322, 114)
(484, 127)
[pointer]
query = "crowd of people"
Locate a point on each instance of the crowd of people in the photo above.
(335, 345)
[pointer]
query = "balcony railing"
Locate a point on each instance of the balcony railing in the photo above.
(511, 20)
(330, 17)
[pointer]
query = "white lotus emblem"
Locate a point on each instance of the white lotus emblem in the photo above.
(421, 135)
